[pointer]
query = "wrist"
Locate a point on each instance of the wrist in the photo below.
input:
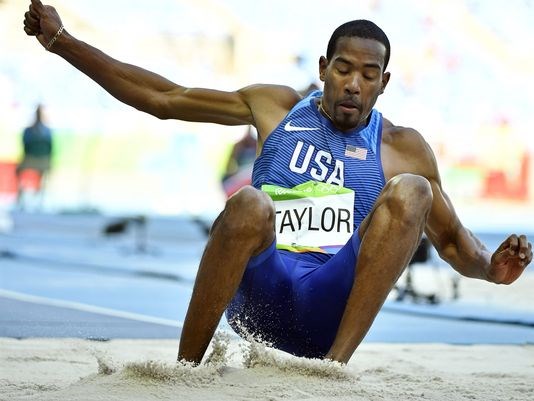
(54, 39)
(61, 44)
(488, 270)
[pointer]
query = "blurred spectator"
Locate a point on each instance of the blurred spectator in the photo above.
(34, 168)
(239, 166)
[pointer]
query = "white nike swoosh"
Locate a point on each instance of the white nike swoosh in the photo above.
(288, 127)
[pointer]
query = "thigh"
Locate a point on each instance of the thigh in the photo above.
(294, 301)
(262, 306)
(322, 296)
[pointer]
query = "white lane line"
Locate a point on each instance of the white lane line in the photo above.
(88, 308)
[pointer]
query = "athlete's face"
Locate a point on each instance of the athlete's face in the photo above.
(353, 80)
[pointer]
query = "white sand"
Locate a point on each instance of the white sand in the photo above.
(74, 369)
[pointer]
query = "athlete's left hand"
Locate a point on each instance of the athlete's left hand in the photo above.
(510, 260)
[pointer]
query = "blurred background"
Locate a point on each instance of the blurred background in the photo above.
(117, 232)
(462, 74)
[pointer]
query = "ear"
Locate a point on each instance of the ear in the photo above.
(323, 63)
(385, 79)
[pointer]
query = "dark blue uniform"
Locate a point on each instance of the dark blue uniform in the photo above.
(324, 182)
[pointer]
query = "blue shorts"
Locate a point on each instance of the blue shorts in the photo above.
(295, 301)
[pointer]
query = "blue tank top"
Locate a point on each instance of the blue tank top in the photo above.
(323, 181)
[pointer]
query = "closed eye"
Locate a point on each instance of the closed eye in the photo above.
(342, 67)
(370, 76)
(371, 72)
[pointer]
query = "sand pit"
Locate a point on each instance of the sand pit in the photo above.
(75, 369)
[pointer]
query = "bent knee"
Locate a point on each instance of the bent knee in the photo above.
(411, 184)
(249, 211)
(410, 193)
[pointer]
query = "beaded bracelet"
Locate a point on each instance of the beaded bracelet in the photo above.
(56, 36)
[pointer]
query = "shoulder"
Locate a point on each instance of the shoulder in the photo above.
(280, 94)
(46, 130)
(269, 105)
(408, 150)
(29, 132)
(401, 137)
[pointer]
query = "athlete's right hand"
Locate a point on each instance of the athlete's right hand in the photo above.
(42, 22)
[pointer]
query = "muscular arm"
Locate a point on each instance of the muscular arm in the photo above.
(150, 92)
(465, 253)
(455, 244)
(259, 105)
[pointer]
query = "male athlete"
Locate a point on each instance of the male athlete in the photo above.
(306, 256)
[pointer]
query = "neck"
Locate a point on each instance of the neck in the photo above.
(322, 110)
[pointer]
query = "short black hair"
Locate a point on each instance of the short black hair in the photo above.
(360, 28)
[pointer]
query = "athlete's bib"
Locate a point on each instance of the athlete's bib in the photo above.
(313, 216)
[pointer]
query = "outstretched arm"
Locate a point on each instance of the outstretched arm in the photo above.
(150, 92)
(464, 251)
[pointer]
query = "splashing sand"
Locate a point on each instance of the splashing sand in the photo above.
(146, 370)
(182, 372)
(257, 355)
